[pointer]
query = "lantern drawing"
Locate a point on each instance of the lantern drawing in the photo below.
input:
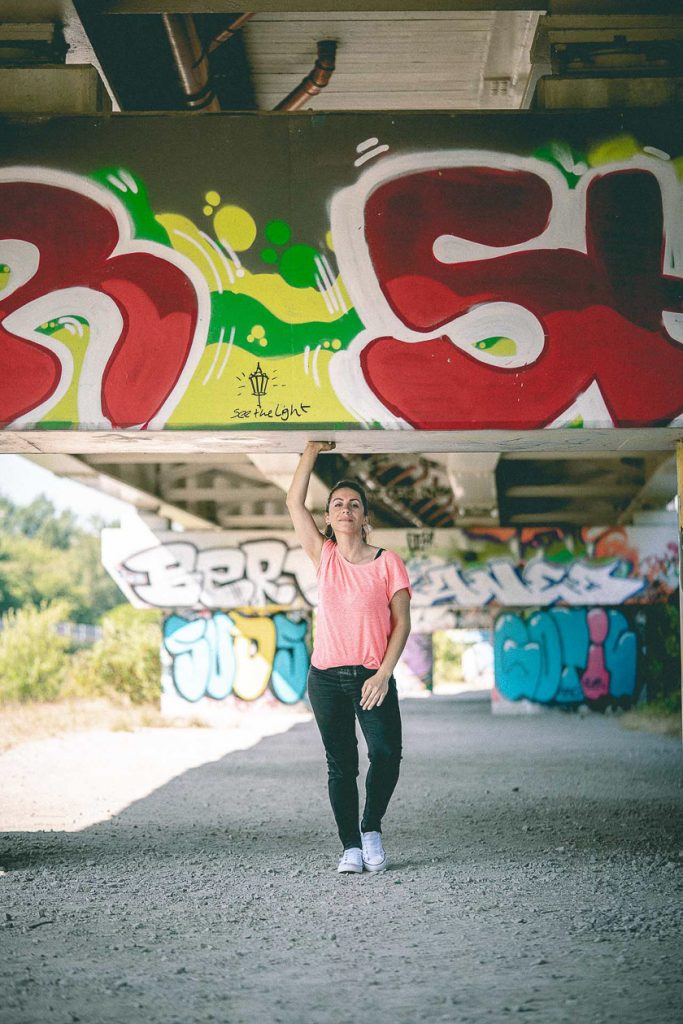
(259, 383)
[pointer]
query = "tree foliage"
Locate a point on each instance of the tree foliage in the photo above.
(46, 556)
(39, 520)
(50, 572)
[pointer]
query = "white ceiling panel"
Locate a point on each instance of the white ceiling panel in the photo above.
(438, 60)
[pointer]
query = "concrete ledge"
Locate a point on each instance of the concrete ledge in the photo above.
(60, 89)
(203, 442)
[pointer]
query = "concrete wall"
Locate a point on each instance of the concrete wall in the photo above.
(568, 610)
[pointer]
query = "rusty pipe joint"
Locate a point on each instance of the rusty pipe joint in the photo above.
(316, 80)
(191, 63)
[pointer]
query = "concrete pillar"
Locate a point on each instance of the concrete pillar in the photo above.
(679, 468)
(418, 656)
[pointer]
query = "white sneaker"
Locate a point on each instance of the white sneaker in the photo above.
(351, 860)
(374, 857)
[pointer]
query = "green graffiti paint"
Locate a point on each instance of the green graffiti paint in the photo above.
(244, 313)
(568, 161)
(298, 266)
(498, 346)
(131, 191)
(73, 331)
(269, 255)
(278, 232)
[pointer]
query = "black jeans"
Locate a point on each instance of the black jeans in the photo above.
(335, 694)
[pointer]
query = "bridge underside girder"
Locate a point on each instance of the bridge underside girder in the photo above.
(209, 480)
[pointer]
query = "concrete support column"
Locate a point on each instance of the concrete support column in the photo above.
(679, 469)
(418, 656)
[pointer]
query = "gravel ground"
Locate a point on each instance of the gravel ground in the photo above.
(536, 867)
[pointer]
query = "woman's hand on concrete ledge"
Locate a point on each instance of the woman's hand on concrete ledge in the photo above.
(320, 446)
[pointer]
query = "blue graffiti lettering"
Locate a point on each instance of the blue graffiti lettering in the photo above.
(291, 661)
(561, 656)
(210, 656)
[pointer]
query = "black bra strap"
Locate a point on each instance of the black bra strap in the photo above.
(379, 552)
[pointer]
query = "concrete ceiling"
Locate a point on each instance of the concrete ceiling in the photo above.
(386, 60)
(430, 490)
(451, 56)
(395, 60)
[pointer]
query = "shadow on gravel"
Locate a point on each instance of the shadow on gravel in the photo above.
(534, 868)
(521, 787)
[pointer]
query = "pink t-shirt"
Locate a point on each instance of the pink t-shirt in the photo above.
(353, 622)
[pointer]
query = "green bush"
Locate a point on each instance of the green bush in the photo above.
(661, 666)
(125, 662)
(33, 658)
(448, 652)
(668, 704)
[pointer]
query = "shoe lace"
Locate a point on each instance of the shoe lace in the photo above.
(372, 844)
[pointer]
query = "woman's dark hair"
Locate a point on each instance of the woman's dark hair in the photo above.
(353, 485)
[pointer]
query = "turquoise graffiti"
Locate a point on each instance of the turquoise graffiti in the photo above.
(244, 655)
(566, 656)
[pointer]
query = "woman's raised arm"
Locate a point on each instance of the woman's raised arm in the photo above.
(307, 533)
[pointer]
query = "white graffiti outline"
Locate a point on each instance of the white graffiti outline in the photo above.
(126, 244)
(267, 571)
(566, 228)
(502, 581)
(255, 573)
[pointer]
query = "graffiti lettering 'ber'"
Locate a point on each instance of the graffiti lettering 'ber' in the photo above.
(257, 573)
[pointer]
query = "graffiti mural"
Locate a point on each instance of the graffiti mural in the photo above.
(230, 653)
(123, 321)
(238, 607)
(418, 659)
(540, 566)
(256, 573)
(509, 281)
(460, 569)
(566, 656)
(466, 323)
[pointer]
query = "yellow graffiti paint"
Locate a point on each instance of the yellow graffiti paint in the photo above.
(291, 305)
(66, 410)
(212, 198)
(254, 646)
(235, 227)
(329, 242)
(677, 164)
(216, 268)
(621, 147)
(498, 347)
(298, 391)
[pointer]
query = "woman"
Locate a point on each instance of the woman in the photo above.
(362, 624)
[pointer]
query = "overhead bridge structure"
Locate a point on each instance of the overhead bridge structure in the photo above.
(460, 259)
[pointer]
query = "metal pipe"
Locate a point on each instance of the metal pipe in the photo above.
(315, 80)
(229, 32)
(191, 65)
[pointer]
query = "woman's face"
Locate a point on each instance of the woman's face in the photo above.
(346, 513)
